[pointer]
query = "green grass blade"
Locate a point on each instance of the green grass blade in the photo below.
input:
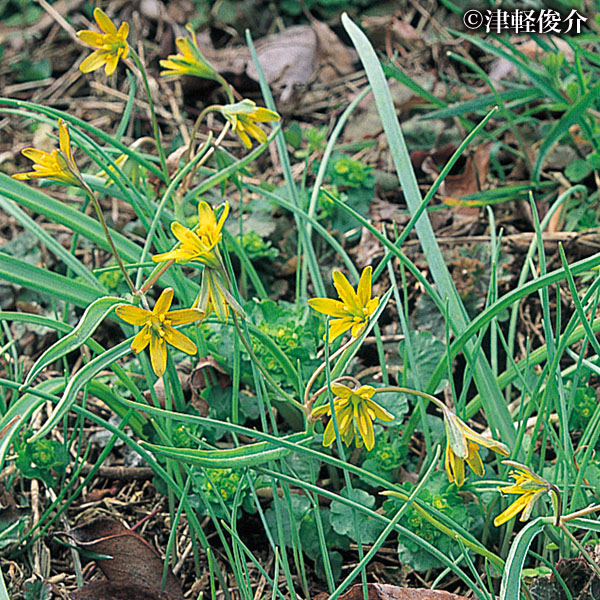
(494, 405)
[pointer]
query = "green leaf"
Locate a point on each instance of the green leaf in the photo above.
(92, 317)
(342, 517)
(83, 376)
(578, 170)
(45, 282)
(575, 114)
(427, 351)
(495, 407)
(511, 578)
(251, 455)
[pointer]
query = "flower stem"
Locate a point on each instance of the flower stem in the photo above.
(580, 547)
(161, 152)
(109, 239)
(319, 370)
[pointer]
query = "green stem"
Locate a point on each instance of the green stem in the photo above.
(580, 547)
(262, 368)
(109, 239)
(161, 152)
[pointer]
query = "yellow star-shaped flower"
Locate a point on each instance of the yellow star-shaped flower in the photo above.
(355, 412)
(111, 44)
(529, 486)
(353, 309)
(157, 328)
(243, 117)
(189, 60)
(201, 244)
(57, 165)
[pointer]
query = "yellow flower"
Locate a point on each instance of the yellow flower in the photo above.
(353, 309)
(57, 165)
(189, 61)
(355, 412)
(531, 488)
(463, 445)
(199, 245)
(242, 116)
(157, 328)
(111, 45)
(215, 296)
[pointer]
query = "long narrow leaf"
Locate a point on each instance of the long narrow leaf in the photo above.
(92, 317)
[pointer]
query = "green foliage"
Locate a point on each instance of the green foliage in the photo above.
(43, 459)
(584, 405)
(445, 499)
(346, 520)
(257, 248)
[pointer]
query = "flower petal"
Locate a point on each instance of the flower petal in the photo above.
(333, 308)
(178, 340)
(185, 315)
(158, 355)
(164, 302)
(337, 327)
(341, 390)
(134, 315)
(517, 506)
(474, 460)
(484, 441)
(380, 412)
(365, 426)
(141, 340)
(363, 291)
(93, 38)
(94, 61)
(104, 22)
(329, 434)
(345, 292)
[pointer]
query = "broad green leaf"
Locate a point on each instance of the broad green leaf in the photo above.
(92, 317)
(83, 376)
(45, 282)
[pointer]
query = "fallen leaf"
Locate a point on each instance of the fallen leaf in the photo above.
(133, 559)
(379, 591)
(107, 590)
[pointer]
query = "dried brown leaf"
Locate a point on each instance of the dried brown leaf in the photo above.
(133, 558)
(107, 590)
(378, 591)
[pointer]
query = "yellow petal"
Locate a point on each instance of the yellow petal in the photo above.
(164, 302)
(141, 340)
(379, 411)
(337, 327)
(104, 22)
(333, 308)
(341, 390)
(244, 137)
(93, 38)
(345, 291)
(224, 214)
(518, 505)
(94, 61)
(364, 287)
(329, 434)
(358, 328)
(158, 355)
(112, 60)
(365, 426)
(206, 217)
(123, 32)
(133, 315)
(179, 341)
(321, 411)
(264, 114)
(185, 315)
(474, 460)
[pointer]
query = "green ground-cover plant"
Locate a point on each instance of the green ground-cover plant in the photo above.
(293, 407)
